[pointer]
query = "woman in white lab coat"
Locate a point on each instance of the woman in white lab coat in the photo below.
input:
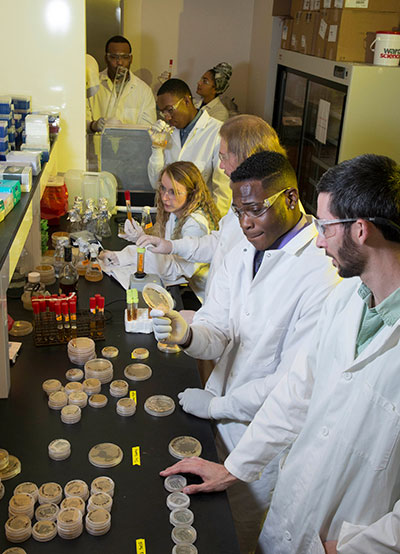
(211, 85)
(184, 208)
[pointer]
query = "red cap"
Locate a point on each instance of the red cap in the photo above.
(72, 307)
(48, 302)
(54, 295)
(64, 307)
(63, 296)
(36, 306)
(127, 196)
(57, 307)
(171, 62)
(92, 303)
(42, 304)
(52, 305)
(100, 303)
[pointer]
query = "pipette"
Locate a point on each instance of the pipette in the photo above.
(128, 205)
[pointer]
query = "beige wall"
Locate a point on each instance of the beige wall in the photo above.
(197, 35)
(47, 42)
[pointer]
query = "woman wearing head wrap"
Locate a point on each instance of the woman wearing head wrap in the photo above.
(212, 84)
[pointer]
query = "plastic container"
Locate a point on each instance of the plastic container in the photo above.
(91, 185)
(386, 48)
(21, 174)
(29, 158)
(5, 104)
(3, 129)
(13, 187)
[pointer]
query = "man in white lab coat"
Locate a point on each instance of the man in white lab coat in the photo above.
(136, 105)
(262, 307)
(338, 489)
(195, 138)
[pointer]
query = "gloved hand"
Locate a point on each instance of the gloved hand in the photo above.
(160, 126)
(98, 126)
(161, 246)
(159, 133)
(170, 328)
(133, 230)
(196, 402)
(164, 76)
(108, 257)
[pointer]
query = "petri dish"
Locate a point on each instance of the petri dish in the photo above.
(3, 458)
(14, 550)
(168, 348)
(21, 329)
(178, 500)
(181, 517)
(140, 353)
(138, 372)
(175, 483)
(184, 447)
(47, 512)
(105, 454)
(157, 298)
(44, 530)
(98, 400)
(186, 535)
(159, 405)
(74, 374)
(110, 352)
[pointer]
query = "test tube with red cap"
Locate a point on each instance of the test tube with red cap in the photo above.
(67, 324)
(100, 300)
(92, 316)
(128, 205)
(59, 320)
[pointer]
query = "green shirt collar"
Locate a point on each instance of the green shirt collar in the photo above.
(388, 309)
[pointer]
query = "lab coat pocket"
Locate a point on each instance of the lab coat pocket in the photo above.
(371, 427)
(316, 546)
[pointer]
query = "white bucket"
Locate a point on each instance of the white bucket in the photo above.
(387, 48)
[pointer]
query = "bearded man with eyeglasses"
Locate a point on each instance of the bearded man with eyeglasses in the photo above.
(136, 105)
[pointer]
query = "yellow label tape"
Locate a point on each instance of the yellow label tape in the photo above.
(132, 394)
(140, 546)
(136, 455)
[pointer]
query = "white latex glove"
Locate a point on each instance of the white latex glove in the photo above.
(98, 126)
(159, 133)
(164, 76)
(109, 257)
(160, 126)
(196, 402)
(132, 230)
(170, 328)
(161, 246)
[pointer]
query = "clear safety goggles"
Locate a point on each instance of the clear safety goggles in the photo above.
(258, 208)
(325, 226)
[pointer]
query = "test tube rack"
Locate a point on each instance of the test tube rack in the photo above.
(45, 333)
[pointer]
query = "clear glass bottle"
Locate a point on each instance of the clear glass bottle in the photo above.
(32, 288)
(146, 221)
(68, 276)
(93, 271)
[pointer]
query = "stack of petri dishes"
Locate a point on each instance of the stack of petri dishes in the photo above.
(28, 488)
(50, 493)
(99, 368)
(109, 352)
(98, 522)
(184, 447)
(80, 350)
(126, 407)
(184, 548)
(184, 535)
(57, 400)
(10, 465)
(140, 353)
(102, 484)
(100, 500)
(74, 374)
(59, 449)
(92, 386)
(71, 414)
(47, 512)
(73, 386)
(78, 398)
(18, 528)
(69, 523)
(44, 531)
(51, 385)
(74, 502)
(2, 490)
(98, 400)
(119, 388)
(77, 487)
(137, 372)
(21, 503)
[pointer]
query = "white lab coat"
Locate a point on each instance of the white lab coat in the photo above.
(172, 269)
(211, 248)
(202, 148)
(215, 109)
(341, 478)
(136, 106)
(255, 326)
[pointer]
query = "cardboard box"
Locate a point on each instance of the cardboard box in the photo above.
(296, 32)
(287, 25)
(350, 33)
(299, 6)
(320, 39)
(308, 31)
(371, 5)
(281, 8)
